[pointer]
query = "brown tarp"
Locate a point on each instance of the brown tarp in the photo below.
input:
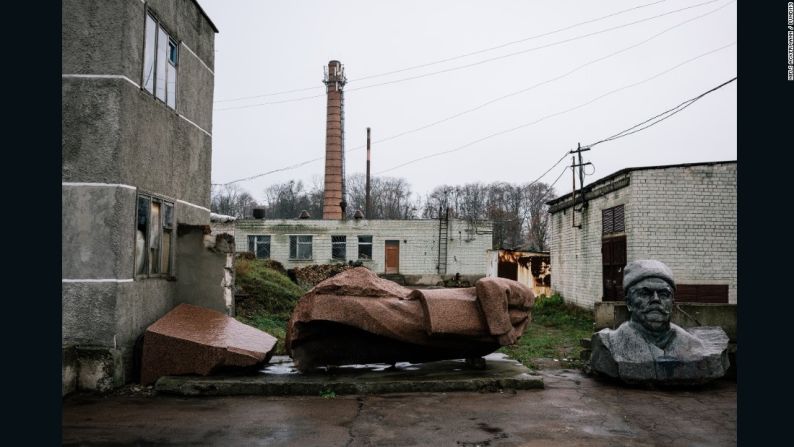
(357, 305)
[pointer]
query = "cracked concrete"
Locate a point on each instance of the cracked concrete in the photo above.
(572, 410)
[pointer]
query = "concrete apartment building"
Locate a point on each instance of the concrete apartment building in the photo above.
(137, 93)
(683, 215)
(422, 251)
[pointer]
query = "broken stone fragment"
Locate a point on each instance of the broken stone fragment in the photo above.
(195, 340)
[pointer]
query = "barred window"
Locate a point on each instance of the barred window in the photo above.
(365, 247)
(338, 247)
(300, 247)
(612, 220)
(260, 246)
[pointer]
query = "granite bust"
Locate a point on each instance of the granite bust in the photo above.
(649, 348)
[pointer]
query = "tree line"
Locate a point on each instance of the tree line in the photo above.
(518, 211)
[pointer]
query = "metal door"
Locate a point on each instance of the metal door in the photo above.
(613, 256)
(392, 256)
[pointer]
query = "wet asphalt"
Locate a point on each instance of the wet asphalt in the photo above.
(573, 409)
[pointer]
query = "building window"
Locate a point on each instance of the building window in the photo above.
(260, 246)
(160, 58)
(365, 247)
(154, 237)
(612, 220)
(300, 247)
(339, 248)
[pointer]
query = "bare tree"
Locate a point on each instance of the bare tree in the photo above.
(536, 213)
(390, 197)
(518, 212)
(287, 200)
(231, 200)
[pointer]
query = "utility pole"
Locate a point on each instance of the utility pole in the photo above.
(578, 151)
(367, 204)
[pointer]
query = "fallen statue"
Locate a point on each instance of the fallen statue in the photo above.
(648, 348)
(356, 317)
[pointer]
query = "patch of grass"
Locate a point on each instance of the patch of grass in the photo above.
(554, 332)
(327, 394)
(271, 298)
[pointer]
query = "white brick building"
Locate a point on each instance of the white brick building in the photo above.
(407, 247)
(683, 215)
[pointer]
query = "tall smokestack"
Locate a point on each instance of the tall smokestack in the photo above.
(367, 205)
(334, 195)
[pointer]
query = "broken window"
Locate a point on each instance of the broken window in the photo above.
(260, 246)
(159, 62)
(339, 248)
(300, 247)
(365, 247)
(612, 220)
(153, 236)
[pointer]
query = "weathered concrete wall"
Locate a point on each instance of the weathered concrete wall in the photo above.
(102, 37)
(202, 270)
(576, 253)
(613, 314)
(97, 232)
(162, 153)
(466, 249)
(684, 216)
(91, 137)
(117, 141)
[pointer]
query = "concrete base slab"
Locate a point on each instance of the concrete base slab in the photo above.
(280, 378)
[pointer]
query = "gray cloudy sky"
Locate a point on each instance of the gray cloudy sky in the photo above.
(538, 56)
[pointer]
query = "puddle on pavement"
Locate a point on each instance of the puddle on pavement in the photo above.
(283, 365)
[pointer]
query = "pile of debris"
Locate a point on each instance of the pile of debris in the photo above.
(309, 276)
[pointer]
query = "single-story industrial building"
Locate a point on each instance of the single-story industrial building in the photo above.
(683, 215)
(421, 251)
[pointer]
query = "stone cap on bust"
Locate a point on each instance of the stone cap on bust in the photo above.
(638, 270)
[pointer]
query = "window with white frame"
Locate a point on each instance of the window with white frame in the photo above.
(160, 58)
(154, 237)
(365, 247)
(259, 245)
(338, 248)
(300, 247)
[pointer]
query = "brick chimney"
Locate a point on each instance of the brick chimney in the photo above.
(334, 195)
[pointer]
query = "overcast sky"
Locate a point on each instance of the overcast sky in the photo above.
(549, 57)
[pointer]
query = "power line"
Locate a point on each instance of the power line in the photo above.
(504, 131)
(524, 90)
(669, 112)
(440, 61)
(283, 92)
(571, 39)
(559, 177)
(461, 67)
(303, 98)
(521, 126)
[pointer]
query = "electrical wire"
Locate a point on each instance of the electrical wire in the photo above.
(545, 117)
(548, 81)
(461, 67)
(413, 67)
(559, 177)
(571, 39)
(618, 135)
(548, 33)
(664, 115)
